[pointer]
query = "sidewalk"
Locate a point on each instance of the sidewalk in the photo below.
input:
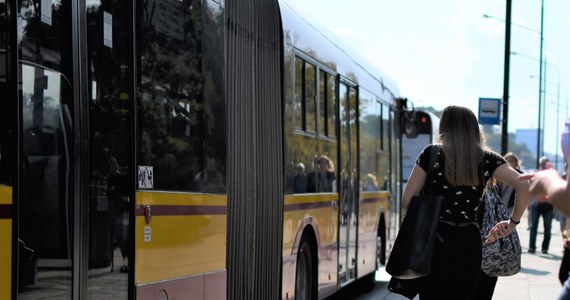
(538, 278)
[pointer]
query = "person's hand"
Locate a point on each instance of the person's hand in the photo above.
(543, 181)
(501, 230)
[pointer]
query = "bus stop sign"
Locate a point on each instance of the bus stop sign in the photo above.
(490, 111)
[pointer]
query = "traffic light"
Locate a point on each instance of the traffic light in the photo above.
(423, 123)
(406, 119)
(410, 124)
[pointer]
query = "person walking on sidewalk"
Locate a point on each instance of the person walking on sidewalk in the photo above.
(462, 168)
(506, 192)
(548, 186)
(545, 210)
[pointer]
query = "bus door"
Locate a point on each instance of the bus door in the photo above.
(7, 149)
(45, 203)
(348, 183)
(72, 195)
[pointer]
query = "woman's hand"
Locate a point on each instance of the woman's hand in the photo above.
(501, 230)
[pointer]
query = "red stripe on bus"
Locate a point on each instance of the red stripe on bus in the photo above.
(5, 211)
(307, 205)
(371, 200)
(183, 210)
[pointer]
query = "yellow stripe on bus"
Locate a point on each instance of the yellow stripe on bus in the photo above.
(179, 245)
(5, 246)
(168, 198)
(5, 194)
(372, 203)
(308, 198)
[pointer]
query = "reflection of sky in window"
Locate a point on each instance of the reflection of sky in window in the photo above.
(51, 97)
(53, 84)
(366, 102)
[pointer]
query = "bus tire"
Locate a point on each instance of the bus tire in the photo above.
(381, 245)
(367, 283)
(305, 283)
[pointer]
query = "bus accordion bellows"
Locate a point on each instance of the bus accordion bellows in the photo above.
(186, 149)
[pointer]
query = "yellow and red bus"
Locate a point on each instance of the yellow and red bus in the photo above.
(189, 149)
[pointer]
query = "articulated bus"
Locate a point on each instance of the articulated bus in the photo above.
(189, 149)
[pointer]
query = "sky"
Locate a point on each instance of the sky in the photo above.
(445, 52)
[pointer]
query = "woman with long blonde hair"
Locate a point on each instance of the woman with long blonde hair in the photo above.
(462, 167)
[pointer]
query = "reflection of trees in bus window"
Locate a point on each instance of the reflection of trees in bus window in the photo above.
(370, 120)
(309, 138)
(310, 97)
(298, 99)
(386, 128)
(384, 161)
(304, 148)
(322, 103)
(327, 105)
(110, 150)
(348, 105)
(171, 100)
(331, 106)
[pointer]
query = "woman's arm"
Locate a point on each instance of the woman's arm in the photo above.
(509, 176)
(414, 186)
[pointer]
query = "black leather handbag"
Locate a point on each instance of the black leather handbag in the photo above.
(411, 255)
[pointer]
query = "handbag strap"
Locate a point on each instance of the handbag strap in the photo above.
(428, 183)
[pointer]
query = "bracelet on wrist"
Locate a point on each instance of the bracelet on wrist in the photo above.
(515, 222)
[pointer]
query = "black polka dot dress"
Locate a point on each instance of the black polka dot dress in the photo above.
(456, 262)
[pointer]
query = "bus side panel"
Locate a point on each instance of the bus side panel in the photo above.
(318, 211)
(5, 242)
(182, 249)
(371, 205)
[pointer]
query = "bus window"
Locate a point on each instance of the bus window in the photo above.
(4, 111)
(310, 97)
(370, 130)
(45, 217)
(323, 125)
(298, 104)
(311, 144)
(331, 106)
(170, 99)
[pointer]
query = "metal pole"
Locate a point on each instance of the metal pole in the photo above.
(543, 125)
(505, 125)
(538, 138)
(557, 122)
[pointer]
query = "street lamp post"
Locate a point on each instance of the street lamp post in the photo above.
(557, 110)
(557, 121)
(538, 138)
(505, 125)
(504, 134)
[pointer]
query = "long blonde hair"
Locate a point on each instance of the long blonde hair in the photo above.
(463, 145)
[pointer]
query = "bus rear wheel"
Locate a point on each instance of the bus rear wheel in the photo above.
(304, 279)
